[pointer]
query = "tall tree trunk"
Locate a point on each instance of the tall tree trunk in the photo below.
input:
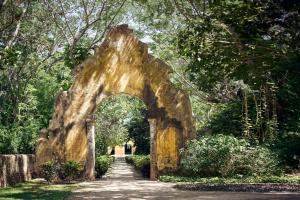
(16, 32)
(247, 125)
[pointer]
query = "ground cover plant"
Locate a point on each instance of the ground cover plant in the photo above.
(289, 179)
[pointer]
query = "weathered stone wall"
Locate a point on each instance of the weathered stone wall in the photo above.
(121, 65)
(16, 168)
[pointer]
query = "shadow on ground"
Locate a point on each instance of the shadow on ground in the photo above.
(122, 182)
(36, 191)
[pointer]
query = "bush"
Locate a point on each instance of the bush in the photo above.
(220, 123)
(102, 164)
(129, 159)
(52, 170)
(141, 163)
(289, 147)
(72, 170)
(222, 155)
(49, 171)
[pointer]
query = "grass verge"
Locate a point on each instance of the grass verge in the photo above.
(36, 190)
(238, 179)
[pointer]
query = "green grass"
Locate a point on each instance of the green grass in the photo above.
(36, 190)
(237, 179)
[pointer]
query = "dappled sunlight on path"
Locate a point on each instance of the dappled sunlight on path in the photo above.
(123, 182)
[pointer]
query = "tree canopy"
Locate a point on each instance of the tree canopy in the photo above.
(238, 59)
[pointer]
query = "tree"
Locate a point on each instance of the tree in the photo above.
(40, 42)
(139, 132)
(114, 120)
(235, 49)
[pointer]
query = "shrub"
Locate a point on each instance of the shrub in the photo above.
(140, 162)
(289, 147)
(221, 155)
(72, 169)
(255, 161)
(102, 164)
(129, 159)
(49, 171)
(52, 170)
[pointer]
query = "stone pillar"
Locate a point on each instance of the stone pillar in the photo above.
(153, 159)
(90, 159)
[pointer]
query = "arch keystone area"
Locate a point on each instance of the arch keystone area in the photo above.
(121, 65)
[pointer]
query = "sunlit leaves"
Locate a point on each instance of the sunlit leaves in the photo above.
(114, 122)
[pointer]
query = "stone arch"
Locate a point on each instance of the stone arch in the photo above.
(120, 65)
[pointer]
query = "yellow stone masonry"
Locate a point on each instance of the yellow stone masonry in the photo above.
(121, 65)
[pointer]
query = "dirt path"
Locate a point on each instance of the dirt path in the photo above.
(122, 182)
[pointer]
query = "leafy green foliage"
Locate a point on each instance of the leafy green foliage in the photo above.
(238, 40)
(241, 53)
(219, 123)
(102, 164)
(33, 113)
(8, 141)
(249, 47)
(49, 171)
(38, 48)
(138, 129)
(75, 56)
(72, 170)
(129, 159)
(222, 155)
(288, 95)
(119, 119)
(53, 170)
(141, 163)
(288, 146)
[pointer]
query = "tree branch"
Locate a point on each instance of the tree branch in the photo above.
(107, 26)
(16, 32)
(181, 11)
(2, 3)
(86, 17)
(66, 19)
(55, 21)
(194, 7)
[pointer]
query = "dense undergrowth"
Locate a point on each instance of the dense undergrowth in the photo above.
(223, 155)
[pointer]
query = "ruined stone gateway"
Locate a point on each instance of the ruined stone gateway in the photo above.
(121, 65)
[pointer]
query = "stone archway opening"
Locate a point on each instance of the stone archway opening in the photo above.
(120, 65)
(121, 121)
(120, 127)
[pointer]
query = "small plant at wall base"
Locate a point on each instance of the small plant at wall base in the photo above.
(54, 171)
(49, 171)
(72, 170)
